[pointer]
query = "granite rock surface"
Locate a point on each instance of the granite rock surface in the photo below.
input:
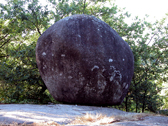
(82, 60)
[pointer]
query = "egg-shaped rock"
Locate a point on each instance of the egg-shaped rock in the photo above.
(82, 60)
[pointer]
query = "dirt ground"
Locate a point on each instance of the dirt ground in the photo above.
(61, 114)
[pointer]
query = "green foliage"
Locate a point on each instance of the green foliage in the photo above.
(165, 100)
(163, 112)
(20, 29)
(22, 22)
(22, 79)
(150, 55)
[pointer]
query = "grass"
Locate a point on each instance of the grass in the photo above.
(99, 119)
(89, 119)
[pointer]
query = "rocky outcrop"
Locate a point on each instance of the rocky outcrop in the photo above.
(82, 60)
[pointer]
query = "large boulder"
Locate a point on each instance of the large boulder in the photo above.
(82, 60)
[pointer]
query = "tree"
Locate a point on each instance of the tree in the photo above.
(23, 22)
(20, 30)
(150, 53)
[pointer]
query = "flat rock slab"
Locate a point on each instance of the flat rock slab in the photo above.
(64, 114)
(59, 113)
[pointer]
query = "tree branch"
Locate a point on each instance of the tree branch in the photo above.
(151, 38)
(84, 7)
(5, 43)
(4, 37)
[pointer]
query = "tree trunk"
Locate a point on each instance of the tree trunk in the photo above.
(144, 101)
(126, 103)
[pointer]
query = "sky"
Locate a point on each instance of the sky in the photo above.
(156, 9)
